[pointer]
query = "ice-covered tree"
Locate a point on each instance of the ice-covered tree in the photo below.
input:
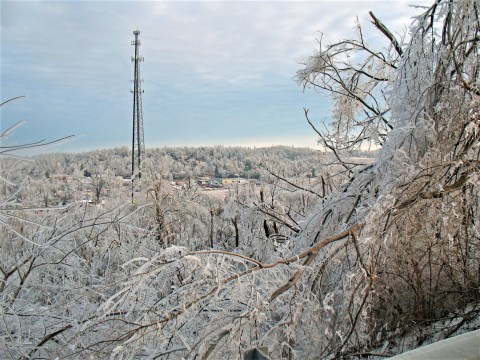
(385, 262)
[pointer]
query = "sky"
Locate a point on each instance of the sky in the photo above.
(215, 72)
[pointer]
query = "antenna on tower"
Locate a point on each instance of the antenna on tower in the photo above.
(138, 144)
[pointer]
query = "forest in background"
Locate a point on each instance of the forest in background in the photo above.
(186, 183)
(361, 260)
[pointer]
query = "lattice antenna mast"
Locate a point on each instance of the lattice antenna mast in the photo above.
(138, 144)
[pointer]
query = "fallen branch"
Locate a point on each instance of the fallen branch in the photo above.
(427, 195)
(310, 255)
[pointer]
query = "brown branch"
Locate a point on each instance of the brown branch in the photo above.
(343, 163)
(292, 184)
(12, 99)
(276, 217)
(203, 252)
(46, 339)
(359, 255)
(435, 194)
(380, 26)
(469, 87)
(310, 254)
(355, 320)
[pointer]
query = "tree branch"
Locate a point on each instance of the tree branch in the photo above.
(380, 26)
(310, 255)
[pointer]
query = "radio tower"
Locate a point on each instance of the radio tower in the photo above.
(138, 144)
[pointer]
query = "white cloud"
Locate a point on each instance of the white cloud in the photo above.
(216, 41)
(201, 49)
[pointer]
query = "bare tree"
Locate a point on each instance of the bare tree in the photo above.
(355, 75)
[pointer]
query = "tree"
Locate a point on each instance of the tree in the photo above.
(417, 203)
(217, 172)
(98, 181)
(356, 76)
(392, 254)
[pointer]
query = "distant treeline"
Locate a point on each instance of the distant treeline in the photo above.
(191, 162)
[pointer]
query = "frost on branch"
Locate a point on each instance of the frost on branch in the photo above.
(355, 76)
(413, 272)
(386, 262)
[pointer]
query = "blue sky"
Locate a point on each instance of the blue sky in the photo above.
(215, 72)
